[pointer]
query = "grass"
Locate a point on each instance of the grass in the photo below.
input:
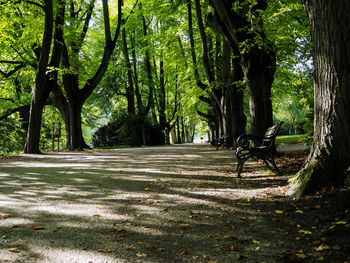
(293, 139)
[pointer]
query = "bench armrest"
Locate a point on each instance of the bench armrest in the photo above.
(244, 140)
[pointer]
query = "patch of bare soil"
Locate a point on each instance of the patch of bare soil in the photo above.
(164, 204)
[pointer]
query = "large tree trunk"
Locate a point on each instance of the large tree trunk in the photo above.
(130, 94)
(259, 68)
(330, 156)
(41, 90)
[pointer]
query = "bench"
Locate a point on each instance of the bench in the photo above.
(220, 142)
(264, 148)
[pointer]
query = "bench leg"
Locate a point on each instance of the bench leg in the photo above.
(240, 164)
(274, 167)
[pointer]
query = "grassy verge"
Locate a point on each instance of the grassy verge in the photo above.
(293, 139)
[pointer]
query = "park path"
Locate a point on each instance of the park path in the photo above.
(179, 203)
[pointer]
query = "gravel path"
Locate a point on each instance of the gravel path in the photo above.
(151, 204)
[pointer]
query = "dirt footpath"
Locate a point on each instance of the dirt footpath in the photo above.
(164, 204)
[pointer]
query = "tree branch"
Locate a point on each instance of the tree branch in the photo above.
(8, 74)
(9, 112)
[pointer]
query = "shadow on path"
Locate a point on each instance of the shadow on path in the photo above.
(156, 204)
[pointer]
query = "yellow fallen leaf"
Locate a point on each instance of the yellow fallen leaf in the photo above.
(185, 225)
(279, 212)
(141, 254)
(340, 222)
(5, 215)
(129, 247)
(256, 241)
(146, 189)
(139, 243)
(300, 254)
(323, 247)
(299, 212)
(305, 232)
(175, 243)
(14, 249)
(321, 258)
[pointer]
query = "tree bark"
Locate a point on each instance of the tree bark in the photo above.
(130, 94)
(41, 89)
(329, 159)
(258, 58)
(76, 97)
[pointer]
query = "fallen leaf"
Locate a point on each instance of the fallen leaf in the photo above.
(340, 223)
(108, 250)
(299, 212)
(322, 247)
(300, 254)
(37, 227)
(141, 254)
(5, 215)
(129, 247)
(175, 243)
(321, 258)
(14, 249)
(146, 189)
(279, 212)
(256, 241)
(305, 232)
(96, 215)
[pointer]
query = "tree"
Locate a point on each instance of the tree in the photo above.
(70, 104)
(223, 75)
(245, 33)
(329, 159)
(41, 90)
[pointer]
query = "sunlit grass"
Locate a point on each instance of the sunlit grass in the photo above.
(293, 139)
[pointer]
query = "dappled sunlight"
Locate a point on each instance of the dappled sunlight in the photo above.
(139, 194)
(11, 222)
(64, 255)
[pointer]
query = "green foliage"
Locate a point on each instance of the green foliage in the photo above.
(51, 115)
(167, 26)
(123, 128)
(12, 136)
(292, 91)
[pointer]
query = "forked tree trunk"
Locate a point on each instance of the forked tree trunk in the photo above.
(329, 159)
(41, 90)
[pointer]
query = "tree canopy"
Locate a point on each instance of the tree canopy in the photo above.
(145, 72)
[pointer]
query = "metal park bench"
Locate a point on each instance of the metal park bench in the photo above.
(264, 148)
(220, 142)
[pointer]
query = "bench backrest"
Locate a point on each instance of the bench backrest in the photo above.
(271, 134)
